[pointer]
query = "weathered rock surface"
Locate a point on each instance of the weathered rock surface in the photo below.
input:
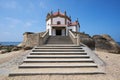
(87, 40)
(5, 49)
(16, 48)
(106, 43)
(98, 42)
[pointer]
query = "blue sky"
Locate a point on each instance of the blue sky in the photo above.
(95, 16)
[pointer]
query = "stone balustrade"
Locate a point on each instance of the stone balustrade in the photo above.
(42, 38)
(74, 38)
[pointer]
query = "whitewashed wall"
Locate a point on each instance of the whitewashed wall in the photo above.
(48, 23)
(72, 27)
(78, 28)
(62, 20)
(68, 21)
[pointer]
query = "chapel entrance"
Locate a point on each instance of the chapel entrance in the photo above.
(58, 32)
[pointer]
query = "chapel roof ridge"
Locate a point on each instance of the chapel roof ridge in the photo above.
(58, 13)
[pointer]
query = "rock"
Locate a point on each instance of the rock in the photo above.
(87, 40)
(3, 51)
(20, 45)
(6, 48)
(27, 48)
(16, 48)
(106, 43)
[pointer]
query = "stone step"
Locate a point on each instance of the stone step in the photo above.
(59, 40)
(58, 56)
(58, 47)
(56, 60)
(58, 53)
(56, 50)
(57, 65)
(54, 71)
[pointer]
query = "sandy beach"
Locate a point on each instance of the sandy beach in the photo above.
(10, 61)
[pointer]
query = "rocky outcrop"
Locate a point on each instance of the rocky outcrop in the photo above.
(106, 43)
(98, 42)
(9, 48)
(86, 39)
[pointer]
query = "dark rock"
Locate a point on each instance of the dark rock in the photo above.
(3, 51)
(16, 48)
(27, 48)
(87, 40)
(106, 43)
(7, 48)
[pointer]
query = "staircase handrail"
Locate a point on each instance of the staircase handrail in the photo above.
(42, 38)
(70, 32)
(73, 37)
(47, 32)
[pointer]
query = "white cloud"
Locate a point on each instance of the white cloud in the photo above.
(27, 24)
(12, 22)
(9, 4)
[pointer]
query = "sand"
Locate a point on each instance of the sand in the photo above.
(11, 60)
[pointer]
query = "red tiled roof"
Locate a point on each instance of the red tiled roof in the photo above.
(58, 13)
(73, 24)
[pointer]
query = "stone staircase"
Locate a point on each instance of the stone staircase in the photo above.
(60, 57)
(59, 40)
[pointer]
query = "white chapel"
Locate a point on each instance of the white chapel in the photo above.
(59, 24)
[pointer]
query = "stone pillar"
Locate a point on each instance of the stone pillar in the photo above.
(78, 40)
(38, 43)
(40, 40)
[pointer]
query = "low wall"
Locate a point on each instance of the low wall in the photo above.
(30, 39)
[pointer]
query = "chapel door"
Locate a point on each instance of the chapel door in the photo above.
(58, 32)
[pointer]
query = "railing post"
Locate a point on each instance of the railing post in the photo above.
(78, 39)
(38, 43)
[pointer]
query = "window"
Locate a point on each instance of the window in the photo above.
(58, 22)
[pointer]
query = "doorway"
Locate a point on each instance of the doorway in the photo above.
(58, 32)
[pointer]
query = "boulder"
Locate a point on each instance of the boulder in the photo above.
(16, 48)
(27, 48)
(106, 43)
(87, 40)
(3, 51)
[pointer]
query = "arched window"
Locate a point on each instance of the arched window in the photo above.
(58, 22)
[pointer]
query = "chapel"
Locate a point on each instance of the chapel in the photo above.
(59, 24)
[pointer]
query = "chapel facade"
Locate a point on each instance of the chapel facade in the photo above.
(59, 24)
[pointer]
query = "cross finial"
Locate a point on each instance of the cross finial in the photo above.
(65, 13)
(51, 12)
(58, 10)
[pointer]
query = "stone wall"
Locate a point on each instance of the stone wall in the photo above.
(30, 39)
